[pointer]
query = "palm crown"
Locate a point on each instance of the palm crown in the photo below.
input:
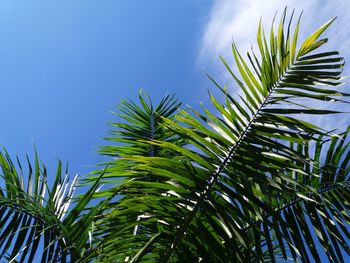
(246, 179)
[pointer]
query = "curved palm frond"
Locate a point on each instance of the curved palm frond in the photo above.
(28, 219)
(321, 221)
(238, 168)
(35, 221)
(141, 125)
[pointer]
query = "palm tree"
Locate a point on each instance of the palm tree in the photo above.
(248, 178)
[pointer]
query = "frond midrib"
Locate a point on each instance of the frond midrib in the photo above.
(323, 190)
(217, 173)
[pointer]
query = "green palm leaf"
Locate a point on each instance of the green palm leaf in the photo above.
(203, 201)
(322, 220)
(31, 214)
(35, 220)
(142, 124)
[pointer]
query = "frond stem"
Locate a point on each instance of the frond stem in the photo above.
(321, 191)
(217, 173)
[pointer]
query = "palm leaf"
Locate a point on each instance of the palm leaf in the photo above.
(142, 123)
(31, 214)
(323, 220)
(35, 220)
(202, 201)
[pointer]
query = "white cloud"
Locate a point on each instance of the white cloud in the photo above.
(237, 20)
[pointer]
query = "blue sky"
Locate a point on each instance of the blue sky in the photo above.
(65, 64)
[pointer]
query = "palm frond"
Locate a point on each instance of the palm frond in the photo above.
(140, 125)
(323, 220)
(31, 213)
(36, 221)
(238, 166)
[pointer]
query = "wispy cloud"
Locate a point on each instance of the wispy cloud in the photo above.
(237, 20)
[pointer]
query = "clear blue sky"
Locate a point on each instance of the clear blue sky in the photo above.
(65, 64)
